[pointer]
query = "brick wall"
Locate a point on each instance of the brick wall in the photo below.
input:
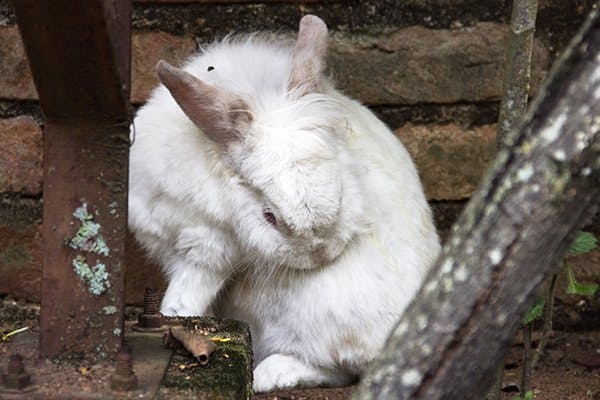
(431, 69)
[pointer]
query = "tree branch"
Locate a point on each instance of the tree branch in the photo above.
(518, 67)
(517, 227)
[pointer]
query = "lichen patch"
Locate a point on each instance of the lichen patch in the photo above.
(95, 276)
(411, 378)
(88, 239)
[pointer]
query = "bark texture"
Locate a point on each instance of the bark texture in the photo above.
(514, 232)
(518, 67)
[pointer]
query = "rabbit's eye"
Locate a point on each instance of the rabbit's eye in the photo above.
(270, 217)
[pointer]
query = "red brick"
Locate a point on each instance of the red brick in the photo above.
(451, 160)
(147, 49)
(20, 156)
(15, 77)
(21, 260)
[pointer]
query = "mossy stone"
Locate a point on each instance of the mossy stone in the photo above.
(228, 374)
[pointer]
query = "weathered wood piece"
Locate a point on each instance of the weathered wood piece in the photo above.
(514, 232)
(79, 54)
(518, 67)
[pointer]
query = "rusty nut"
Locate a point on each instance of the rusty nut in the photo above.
(150, 320)
(123, 383)
(16, 381)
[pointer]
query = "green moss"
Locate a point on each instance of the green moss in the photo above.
(228, 375)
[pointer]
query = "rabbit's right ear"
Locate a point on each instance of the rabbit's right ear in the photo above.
(217, 113)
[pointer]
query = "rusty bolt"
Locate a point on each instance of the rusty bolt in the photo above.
(124, 379)
(151, 317)
(151, 301)
(16, 377)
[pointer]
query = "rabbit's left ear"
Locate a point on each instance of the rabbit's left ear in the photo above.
(308, 59)
(217, 113)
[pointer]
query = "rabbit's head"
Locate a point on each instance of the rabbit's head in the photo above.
(302, 201)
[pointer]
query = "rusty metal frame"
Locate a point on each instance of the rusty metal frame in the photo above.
(79, 53)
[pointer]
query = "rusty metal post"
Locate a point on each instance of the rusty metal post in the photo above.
(79, 53)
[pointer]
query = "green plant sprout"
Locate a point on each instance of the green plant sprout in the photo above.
(585, 242)
(6, 336)
(535, 312)
(528, 396)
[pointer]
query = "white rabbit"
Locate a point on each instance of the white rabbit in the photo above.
(268, 196)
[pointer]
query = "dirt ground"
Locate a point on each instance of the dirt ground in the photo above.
(568, 370)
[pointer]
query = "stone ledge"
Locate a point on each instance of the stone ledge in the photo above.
(228, 374)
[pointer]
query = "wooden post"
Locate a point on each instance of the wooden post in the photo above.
(79, 53)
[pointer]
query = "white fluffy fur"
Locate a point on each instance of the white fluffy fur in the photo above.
(354, 239)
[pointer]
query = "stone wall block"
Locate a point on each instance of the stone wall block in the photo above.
(451, 160)
(20, 247)
(20, 156)
(147, 49)
(420, 65)
(16, 81)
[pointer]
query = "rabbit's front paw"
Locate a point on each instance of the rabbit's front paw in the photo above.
(191, 291)
(279, 371)
(174, 308)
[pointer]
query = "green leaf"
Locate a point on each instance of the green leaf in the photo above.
(583, 243)
(535, 312)
(574, 287)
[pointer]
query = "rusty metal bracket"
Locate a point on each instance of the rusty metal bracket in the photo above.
(79, 53)
(63, 379)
